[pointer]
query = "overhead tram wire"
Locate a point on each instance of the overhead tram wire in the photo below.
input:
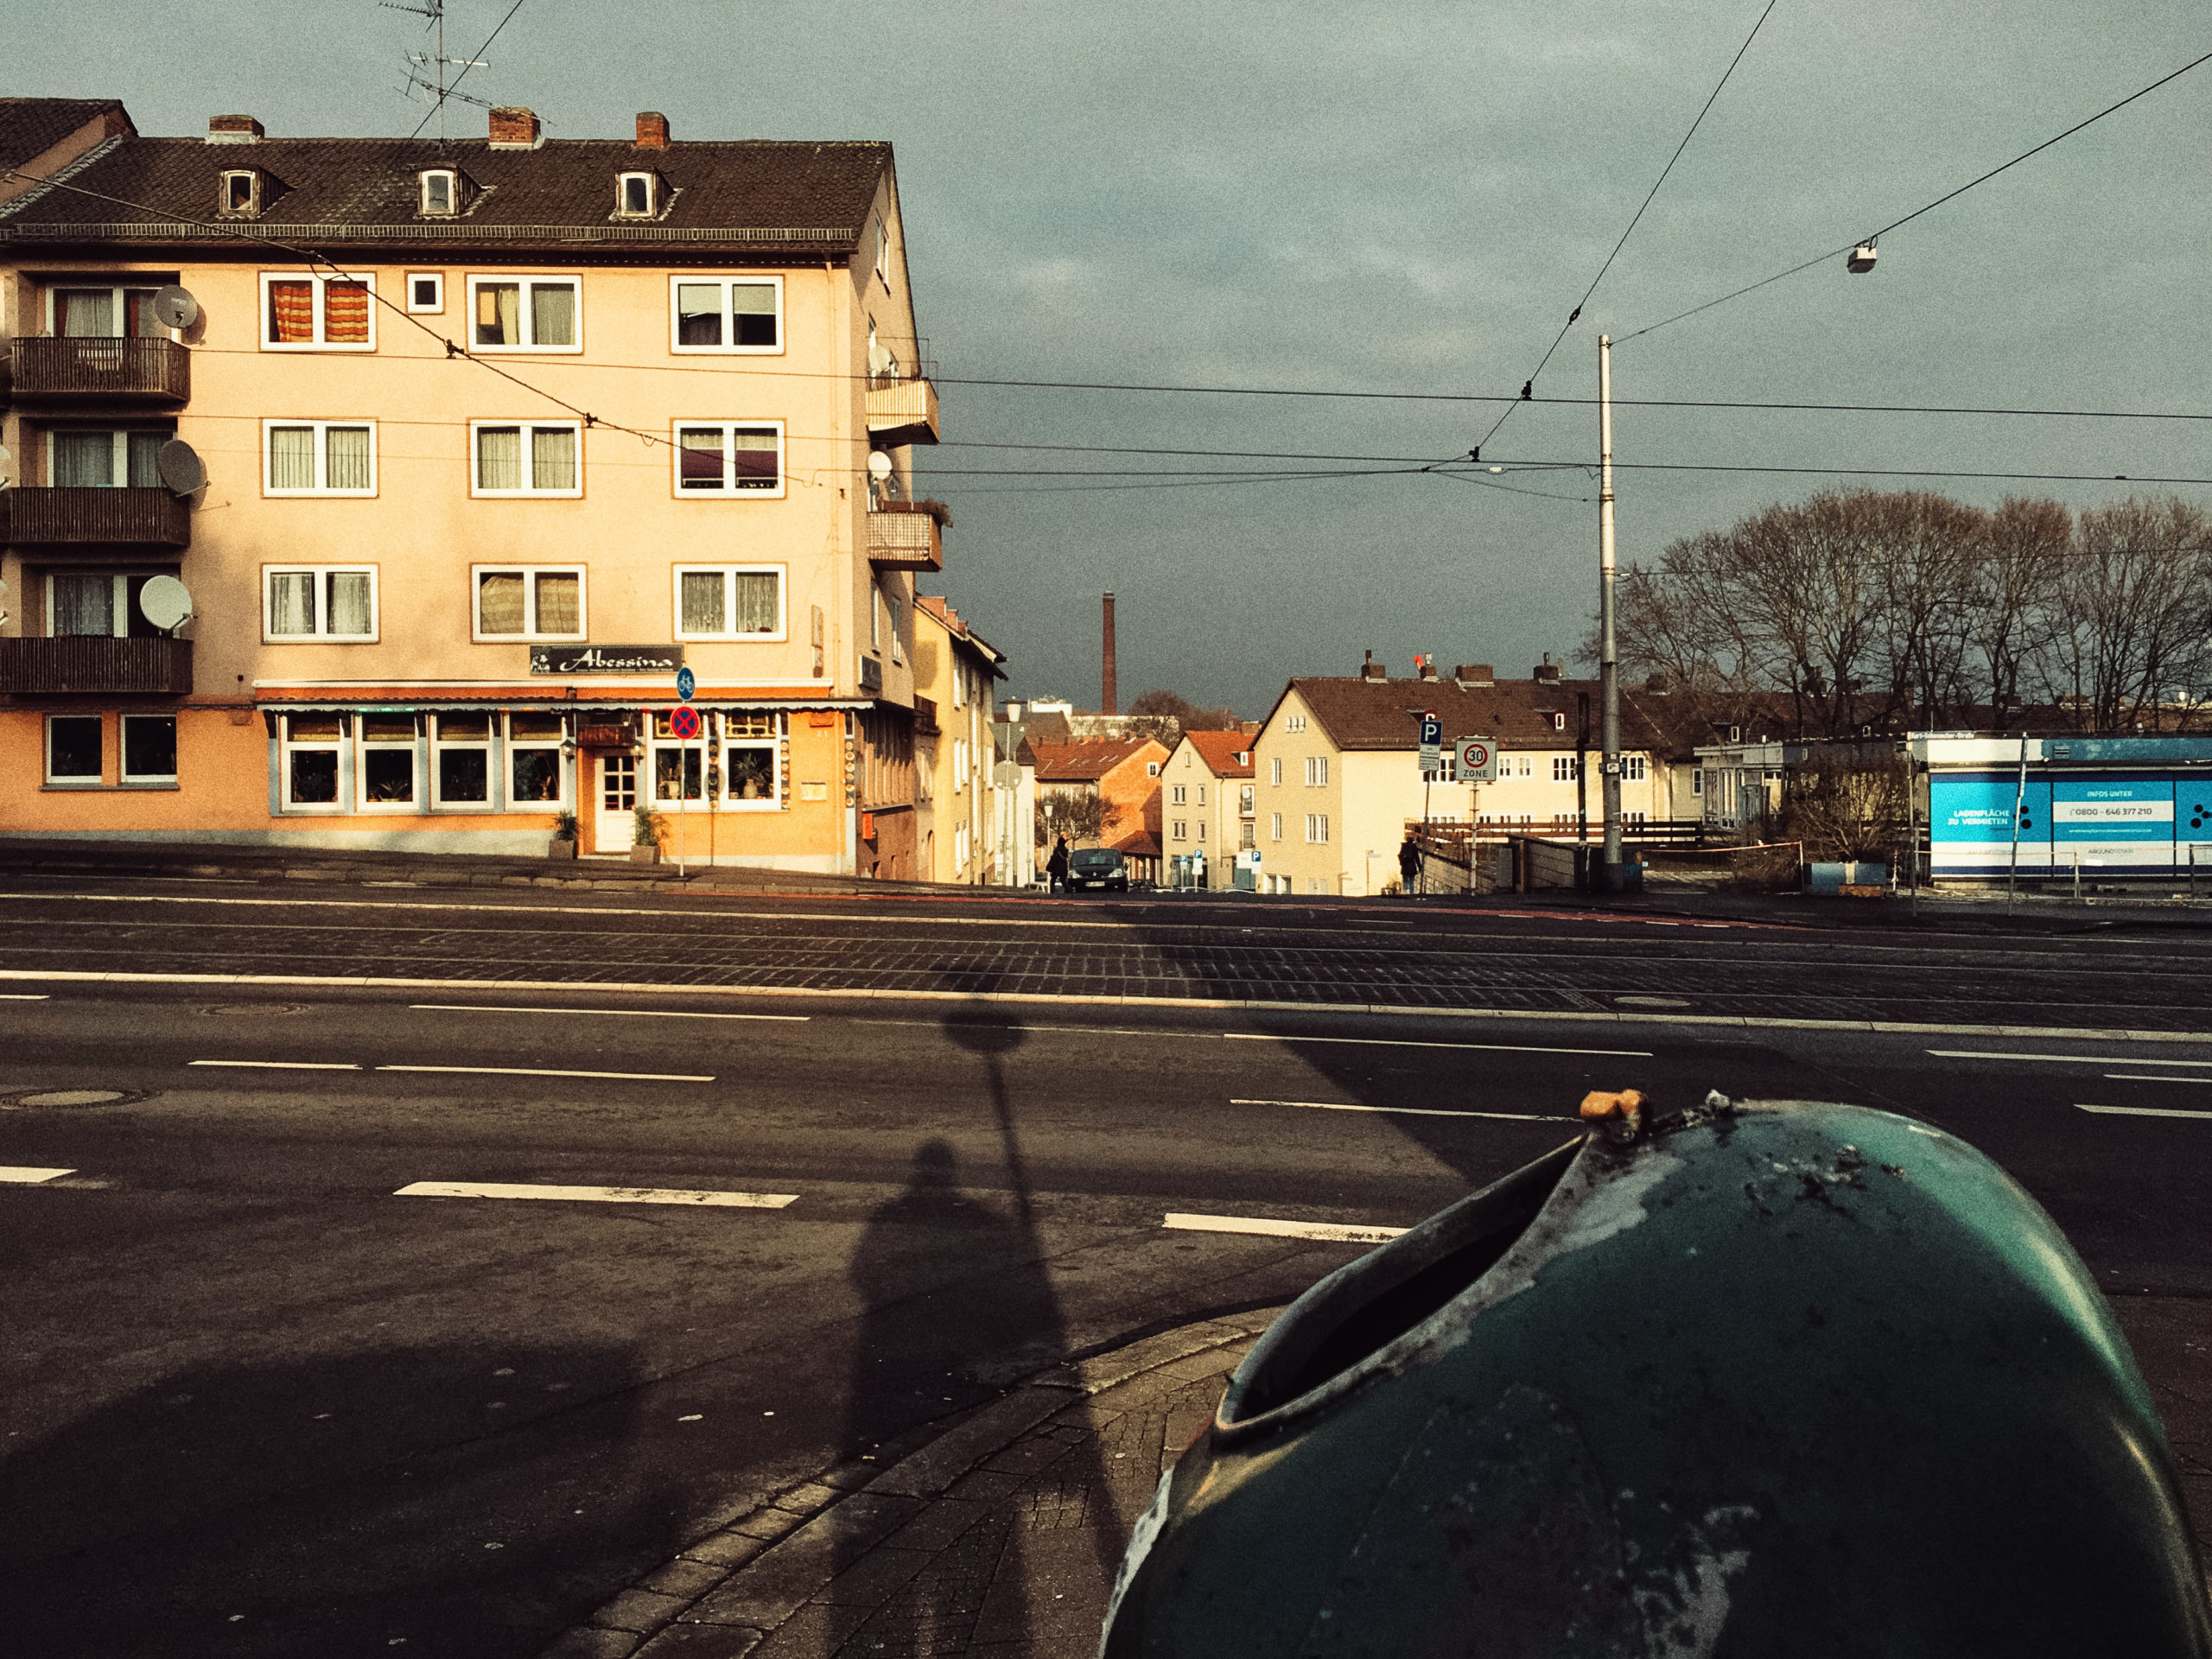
(1928, 208)
(1528, 386)
(309, 256)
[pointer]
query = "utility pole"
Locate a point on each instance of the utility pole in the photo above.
(1610, 878)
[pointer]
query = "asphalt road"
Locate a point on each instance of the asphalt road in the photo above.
(257, 1402)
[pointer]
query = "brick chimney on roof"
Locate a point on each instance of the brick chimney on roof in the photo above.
(1547, 671)
(653, 130)
(514, 128)
(1371, 670)
(234, 129)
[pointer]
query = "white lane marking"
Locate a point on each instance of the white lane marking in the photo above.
(1401, 1042)
(2152, 1076)
(616, 1013)
(26, 996)
(2058, 1059)
(548, 1071)
(1330, 1231)
(1057, 999)
(594, 1194)
(1412, 1111)
(28, 1175)
(2140, 1111)
(283, 1065)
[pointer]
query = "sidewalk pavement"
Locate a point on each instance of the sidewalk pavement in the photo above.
(998, 1536)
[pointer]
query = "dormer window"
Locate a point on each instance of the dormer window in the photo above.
(239, 196)
(440, 195)
(634, 196)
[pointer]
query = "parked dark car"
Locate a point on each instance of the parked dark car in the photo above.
(1097, 867)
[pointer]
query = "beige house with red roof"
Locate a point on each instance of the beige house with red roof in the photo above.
(956, 673)
(496, 435)
(1337, 780)
(1206, 802)
(1121, 771)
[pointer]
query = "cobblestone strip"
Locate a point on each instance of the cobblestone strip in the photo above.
(919, 1551)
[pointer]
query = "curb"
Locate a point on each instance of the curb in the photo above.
(756, 1564)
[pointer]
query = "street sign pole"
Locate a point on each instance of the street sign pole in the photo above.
(684, 725)
(1609, 685)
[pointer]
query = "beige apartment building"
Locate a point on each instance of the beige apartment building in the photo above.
(461, 451)
(1339, 781)
(1207, 806)
(955, 701)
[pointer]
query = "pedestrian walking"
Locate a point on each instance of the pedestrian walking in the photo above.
(1056, 867)
(1409, 866)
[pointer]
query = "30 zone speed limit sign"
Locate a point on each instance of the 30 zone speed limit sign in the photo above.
(1477, 760)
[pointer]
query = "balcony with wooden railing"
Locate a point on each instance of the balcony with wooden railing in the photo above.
(50, 371)
(90, 664)
(67, 516)
(907, 535)
(901, 409)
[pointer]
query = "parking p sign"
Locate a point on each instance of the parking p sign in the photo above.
(1478, 759)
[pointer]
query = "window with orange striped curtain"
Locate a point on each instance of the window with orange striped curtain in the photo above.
(292, 312)
(345, 313)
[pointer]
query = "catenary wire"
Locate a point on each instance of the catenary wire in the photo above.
(466, 67)
(1925, 208)
(1506, 414)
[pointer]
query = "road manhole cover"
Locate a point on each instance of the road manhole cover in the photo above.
(56, 1097)
(1654, 1002)
(254, 1007)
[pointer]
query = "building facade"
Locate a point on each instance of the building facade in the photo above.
(1207, 804)
(1121, 774)
(1338, 781)
(955, 693)
(461, 451)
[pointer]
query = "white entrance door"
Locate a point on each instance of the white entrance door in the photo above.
(617, 798)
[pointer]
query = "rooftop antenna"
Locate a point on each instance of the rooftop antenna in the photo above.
(427, 65)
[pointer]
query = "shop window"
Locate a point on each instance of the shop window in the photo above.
(460, 758)
(679, 773)
(387, 763)
(310, 757)
(751, 761)
(534, 760)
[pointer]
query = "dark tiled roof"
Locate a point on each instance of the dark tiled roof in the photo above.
(1518, 714)
(1086, 762)
(752, 193)
(31, 126)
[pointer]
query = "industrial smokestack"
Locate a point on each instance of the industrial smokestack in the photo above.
(1107, 703)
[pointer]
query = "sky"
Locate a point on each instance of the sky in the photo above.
(1400, 199)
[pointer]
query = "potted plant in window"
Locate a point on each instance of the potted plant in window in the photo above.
(749, 775)
(563, 844)
(646, 849)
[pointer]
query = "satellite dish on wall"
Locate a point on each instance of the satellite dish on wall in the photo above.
(166, 602)
(178, 466)
(174, 307)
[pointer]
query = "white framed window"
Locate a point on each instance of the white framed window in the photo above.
(1559, 721)
(237, 194)
(729, 601)
(1274, 772)
(1317, 771)
(534, 761)
(384, 767)
(896, 611)
(1177, 827)
(1175, 794)
(1202, 794)
(75, 749)
(635, 196)
(959, 765)
(528, 602)
(1562, 768)
(150, 748)
(742, 315)
(752, 762)
(308, 762)
(1632, 768)
(960, 685)
(101, 312)
(526, 314)
(1697, 780)
(1317, 829)
(875, 618)
(882, 252)
(310, 311)
(1152, 768)
(678, 766)
(426, 291)
(440, 194)
(318, 458)
(1294, 723)
(1275, 826)
(1245, 796)
(90, 603)
(728, 458)
(461, 760)
(318, 601)
(525, 458)
(1202, 829)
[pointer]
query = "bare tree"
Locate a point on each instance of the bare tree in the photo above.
(2131, 611)
(2012, 583)
(1079, 815)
